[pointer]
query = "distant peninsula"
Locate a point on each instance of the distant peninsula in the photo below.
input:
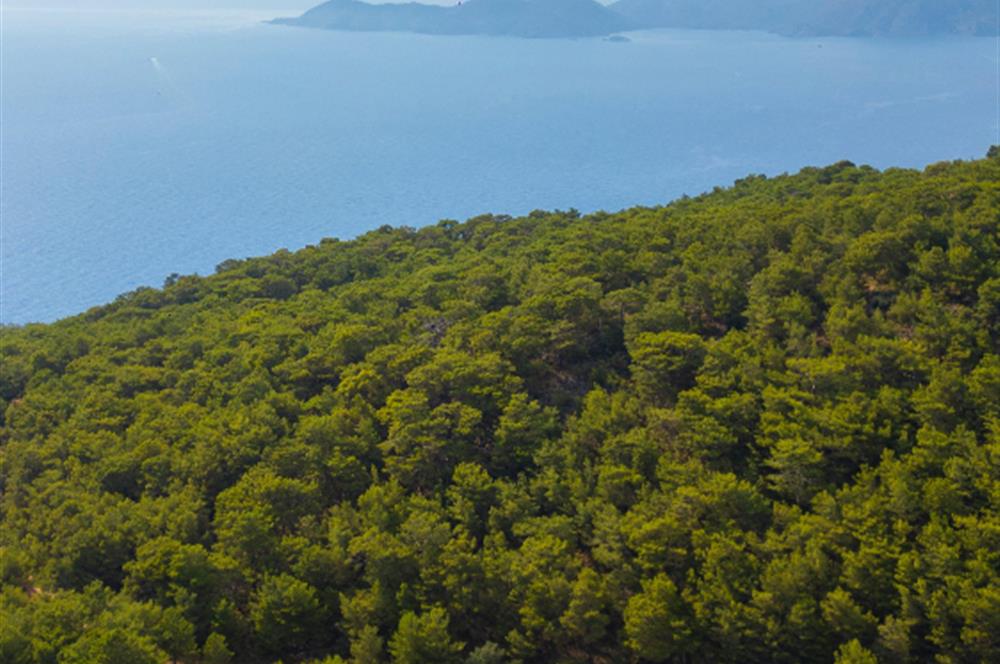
(587, 18)
(516, 18)
(848, 18)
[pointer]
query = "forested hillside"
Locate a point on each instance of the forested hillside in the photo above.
(759, 425)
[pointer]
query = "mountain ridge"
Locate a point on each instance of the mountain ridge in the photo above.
(855, 18)
(520, 18)
(586, 18)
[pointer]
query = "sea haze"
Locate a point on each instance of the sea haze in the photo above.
(139, 144)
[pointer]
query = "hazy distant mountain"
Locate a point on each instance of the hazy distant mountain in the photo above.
(160, 5)
(819, 17)
(711, 14)
(901, 17)
(585, 18)
(522, 18)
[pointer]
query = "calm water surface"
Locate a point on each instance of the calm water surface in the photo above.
(136, 145)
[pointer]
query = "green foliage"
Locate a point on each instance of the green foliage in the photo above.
(760, 425)
(287, 616)
(112, 647)
(656, 623)
(424, 639)
(853, 652)
(665, 363)
(215, 650)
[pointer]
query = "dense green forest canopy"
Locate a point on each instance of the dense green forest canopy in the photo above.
(762, 424)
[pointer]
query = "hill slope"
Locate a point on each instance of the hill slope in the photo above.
(758, 425)
(898, 18)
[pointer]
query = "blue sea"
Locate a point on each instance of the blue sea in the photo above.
(139, 144)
